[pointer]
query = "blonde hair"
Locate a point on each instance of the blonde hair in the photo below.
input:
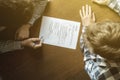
(104, 39)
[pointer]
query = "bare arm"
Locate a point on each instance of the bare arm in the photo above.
(87, 18)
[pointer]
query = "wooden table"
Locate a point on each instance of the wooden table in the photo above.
(51, 62)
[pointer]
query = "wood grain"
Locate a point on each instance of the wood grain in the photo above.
(51, 62)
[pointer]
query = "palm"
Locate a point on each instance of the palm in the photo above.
(87, 16)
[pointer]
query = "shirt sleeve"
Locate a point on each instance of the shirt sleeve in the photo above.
(95, 65)
(82, 45)
(6, 46)
(39, 6)
(115, 5)
(112, 73)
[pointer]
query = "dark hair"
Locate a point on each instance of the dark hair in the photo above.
(14, 4)
(20, 11)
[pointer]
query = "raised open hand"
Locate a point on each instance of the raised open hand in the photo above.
(87, 16)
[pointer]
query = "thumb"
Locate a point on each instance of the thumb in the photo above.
(37, 46)
(93, 17)
(35, 39)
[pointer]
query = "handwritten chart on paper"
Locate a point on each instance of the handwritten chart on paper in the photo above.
(59, 32)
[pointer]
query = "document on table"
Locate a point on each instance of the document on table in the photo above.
(59, 32)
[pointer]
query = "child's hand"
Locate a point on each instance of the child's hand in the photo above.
(102, 2)
(87, 16)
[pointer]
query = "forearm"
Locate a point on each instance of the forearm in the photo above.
(115, 5)
(82, 45)
(6, 46)
(39, 6)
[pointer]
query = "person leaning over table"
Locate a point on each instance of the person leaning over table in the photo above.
(100, 45)
(22, 14)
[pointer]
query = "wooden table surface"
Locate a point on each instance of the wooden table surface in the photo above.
(51, 62)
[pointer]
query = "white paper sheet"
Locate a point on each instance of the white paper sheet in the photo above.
(59, 32)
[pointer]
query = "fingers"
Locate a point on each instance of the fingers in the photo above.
(85, 11)
(41, 39)
(89, 12)
(93, 17)
(80, 12)
(87, 16)
(37, 45)
(36, 42)
(34, 39)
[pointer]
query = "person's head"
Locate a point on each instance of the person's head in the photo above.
(14, 4)
(9, 9)
(104, 39)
